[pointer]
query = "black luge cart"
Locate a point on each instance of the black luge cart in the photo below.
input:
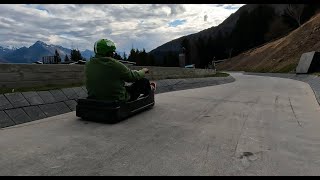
(112, 112)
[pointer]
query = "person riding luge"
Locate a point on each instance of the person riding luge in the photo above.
(106, 76)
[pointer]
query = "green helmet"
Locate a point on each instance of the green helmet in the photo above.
(103, 46)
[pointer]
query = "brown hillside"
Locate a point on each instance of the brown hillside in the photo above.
(281, 55)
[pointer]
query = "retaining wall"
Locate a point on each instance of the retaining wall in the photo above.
(33, 75)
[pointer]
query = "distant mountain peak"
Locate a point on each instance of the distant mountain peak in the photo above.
(40, 42)
(4, 48)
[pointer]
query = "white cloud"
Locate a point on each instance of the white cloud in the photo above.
(143, 25)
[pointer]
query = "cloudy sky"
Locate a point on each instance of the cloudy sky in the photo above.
(79, 26)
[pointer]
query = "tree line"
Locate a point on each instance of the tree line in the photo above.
(75, 56)
(142, 58)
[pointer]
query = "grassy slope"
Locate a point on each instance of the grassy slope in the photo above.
(282, 55)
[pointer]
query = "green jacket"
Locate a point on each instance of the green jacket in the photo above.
(106, 77)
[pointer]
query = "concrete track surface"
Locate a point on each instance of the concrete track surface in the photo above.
(253, 126)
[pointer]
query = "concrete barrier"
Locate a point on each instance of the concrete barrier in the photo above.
(309, 63)
(158, 73)
(35, 75)
(18, 108)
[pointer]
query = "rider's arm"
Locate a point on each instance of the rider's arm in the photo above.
(129, 75)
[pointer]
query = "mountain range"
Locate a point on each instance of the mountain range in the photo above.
(35, 53)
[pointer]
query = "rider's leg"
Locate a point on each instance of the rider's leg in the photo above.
(139, 87)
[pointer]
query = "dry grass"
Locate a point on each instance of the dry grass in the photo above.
(317, 73)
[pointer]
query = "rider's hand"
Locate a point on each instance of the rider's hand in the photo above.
(146, 70)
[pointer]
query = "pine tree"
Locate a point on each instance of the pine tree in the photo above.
(66, 58)
(186, 44)
(133, 55)
(151, 61)
(125, 56)
(57, 56)
(143, 57)
(117, 56)
(201, 53)
(295, 11)
(75, 55)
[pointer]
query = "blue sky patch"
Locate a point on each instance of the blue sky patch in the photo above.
(41, 8)
(177, 22)
(231, 7)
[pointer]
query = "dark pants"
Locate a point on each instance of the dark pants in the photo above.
(141, 86)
